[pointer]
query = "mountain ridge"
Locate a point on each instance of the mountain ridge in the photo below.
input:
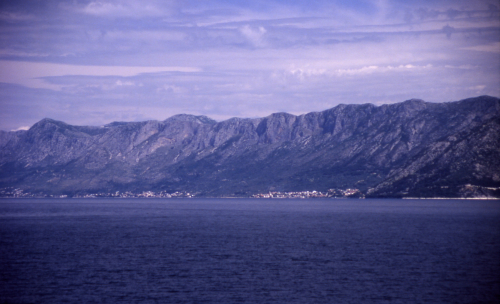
(413, 148)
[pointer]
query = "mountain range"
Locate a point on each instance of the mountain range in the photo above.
(408, 149)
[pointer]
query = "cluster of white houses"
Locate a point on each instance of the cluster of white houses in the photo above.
(19, 193)
(311, 194)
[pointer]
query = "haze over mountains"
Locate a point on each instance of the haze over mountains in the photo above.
(408, 149)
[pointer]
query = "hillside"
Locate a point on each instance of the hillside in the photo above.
(408, 149)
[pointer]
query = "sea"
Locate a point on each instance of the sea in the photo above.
(249, 251)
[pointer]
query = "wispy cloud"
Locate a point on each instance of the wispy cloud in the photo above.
(32, 74)
(255, 36)
(117, 60)
(22, 128)
(124, 8)
(491, 47)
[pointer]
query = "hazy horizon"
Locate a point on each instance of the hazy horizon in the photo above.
(95, 62)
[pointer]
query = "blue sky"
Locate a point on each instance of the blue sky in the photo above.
(94, 62)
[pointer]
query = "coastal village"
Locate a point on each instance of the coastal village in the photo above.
(19, 193)
(331, 193)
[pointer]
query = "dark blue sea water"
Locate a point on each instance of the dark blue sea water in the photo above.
(249, 251)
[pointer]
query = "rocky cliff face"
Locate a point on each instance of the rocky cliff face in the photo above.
(411, 149)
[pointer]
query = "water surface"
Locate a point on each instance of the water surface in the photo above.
(249, 251)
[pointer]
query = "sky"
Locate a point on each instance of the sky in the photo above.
(95, 62)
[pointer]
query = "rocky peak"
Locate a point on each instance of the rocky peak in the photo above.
(201, 119)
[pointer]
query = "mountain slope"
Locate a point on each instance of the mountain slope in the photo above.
(411, 148)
